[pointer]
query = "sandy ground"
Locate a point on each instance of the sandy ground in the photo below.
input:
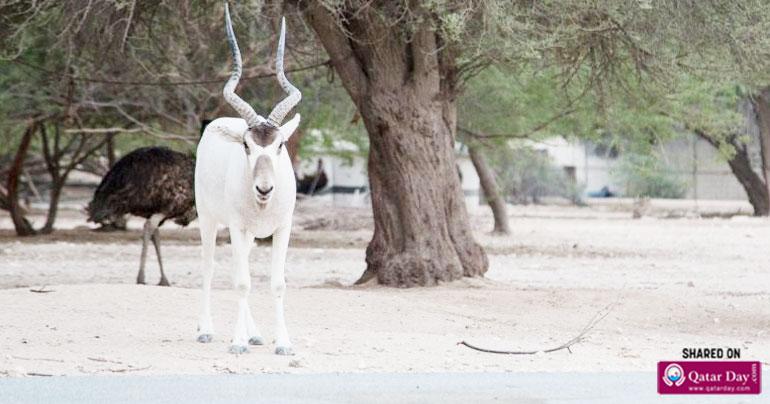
(673, 283)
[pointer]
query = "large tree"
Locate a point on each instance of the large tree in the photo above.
(404, 62)
(404, 83)
(404, 65)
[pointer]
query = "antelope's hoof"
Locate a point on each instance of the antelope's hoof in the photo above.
(205, 338)
(164, 282)
(284, 350)
(256, 341)
(238, 349)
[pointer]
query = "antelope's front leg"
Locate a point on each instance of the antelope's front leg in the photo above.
(242, 242)
(208, 231)
(278, 288)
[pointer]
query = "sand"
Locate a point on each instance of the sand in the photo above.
(671, 283)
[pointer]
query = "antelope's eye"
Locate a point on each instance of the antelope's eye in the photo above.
(280, 147)
(246, 147)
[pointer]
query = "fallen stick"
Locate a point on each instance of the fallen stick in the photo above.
(37, 359)
(129, 369)
(103, 360)
(41, 290)
(599, 316)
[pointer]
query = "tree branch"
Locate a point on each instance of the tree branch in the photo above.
(167, 83)
(425, 59)
(49, 163)
(524, 135)
(128, 25)
(338, 46)
(599, 316)
(96, 131)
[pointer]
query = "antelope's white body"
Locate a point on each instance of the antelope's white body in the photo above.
(244, 180)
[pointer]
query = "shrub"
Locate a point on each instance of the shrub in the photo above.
(648, 176)
(526, 175)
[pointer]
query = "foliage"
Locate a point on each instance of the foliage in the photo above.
(157, 68)
(331, 119)
(547, 57)
(502, 103)
(648, 176)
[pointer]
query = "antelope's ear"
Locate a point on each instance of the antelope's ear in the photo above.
(289, 127)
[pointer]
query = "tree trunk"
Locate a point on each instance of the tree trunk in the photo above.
(761, 105)
(53, 204)
(20, 223)
(111, 158)
(740, 165)
(752, 183)
(3, 198)
(421, 230)
(491, 190)
(404, 90)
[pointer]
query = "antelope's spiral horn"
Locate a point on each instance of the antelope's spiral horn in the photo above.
(242, 107)
(280, 111)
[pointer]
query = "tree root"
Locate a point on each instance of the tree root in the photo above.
(599, 316)
(368, 276)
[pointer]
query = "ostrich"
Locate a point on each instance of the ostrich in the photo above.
(155, 183)
(244, 179)
(309, 184)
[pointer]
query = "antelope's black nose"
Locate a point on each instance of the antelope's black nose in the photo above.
(263, 191)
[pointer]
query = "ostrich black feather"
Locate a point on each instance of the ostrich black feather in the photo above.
(147, 181)
(310, 184)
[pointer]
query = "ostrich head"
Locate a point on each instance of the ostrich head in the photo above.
(264, 140)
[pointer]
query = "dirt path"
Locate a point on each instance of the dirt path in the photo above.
(678, 283)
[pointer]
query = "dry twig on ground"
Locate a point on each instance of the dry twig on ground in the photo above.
(128, 369)
(37, 359)
(599, 316)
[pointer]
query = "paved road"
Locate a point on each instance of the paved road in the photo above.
(465, 388)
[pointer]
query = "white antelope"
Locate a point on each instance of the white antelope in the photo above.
(244, 179)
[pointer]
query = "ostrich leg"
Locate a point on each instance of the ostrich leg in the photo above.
(149, 227)
(143, 259)
(156, 242)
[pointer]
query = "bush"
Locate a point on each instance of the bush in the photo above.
(526, 175)
(648, 176)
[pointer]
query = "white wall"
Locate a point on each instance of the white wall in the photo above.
(703, 169)
(346, 175)
(698, 164)
(591, 171)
